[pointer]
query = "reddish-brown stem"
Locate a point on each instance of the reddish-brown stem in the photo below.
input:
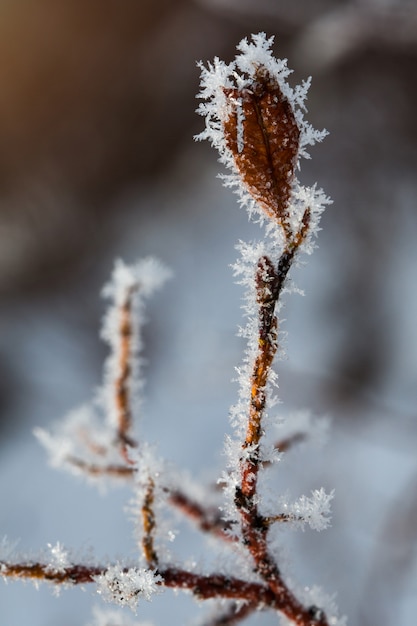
(260, 596)
(208, 520)
(121, 383)
(74, 574)
(148, 521)
(115, 471)
(202, 586)
(269, 284)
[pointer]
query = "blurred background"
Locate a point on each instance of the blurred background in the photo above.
(97, 161)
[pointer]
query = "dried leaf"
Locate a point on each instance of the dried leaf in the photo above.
(263, 136)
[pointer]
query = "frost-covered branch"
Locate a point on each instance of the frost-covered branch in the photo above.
(127, 585)
(256, 121)
(93, 440)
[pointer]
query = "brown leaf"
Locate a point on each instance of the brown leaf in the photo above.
(263, 136)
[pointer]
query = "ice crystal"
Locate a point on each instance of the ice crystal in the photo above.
(126, 586)
(314, 510)
(59, 558)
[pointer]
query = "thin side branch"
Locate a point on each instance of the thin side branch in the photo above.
(122, 391)
(123, 472)
(208, 520)
(74, 575)
(148, 521)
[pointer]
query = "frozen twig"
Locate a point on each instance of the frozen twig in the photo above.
(148, 520)
(122, 391)
(208, 520)
(256, 121)
(201, 586)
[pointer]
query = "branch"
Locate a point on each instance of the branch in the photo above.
(260, 596)
(121, 382)
(201, 586)
(115, 471)
(74, 575)
(148, 520)
(208, 520)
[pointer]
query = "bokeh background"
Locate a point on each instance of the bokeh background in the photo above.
(97, 161)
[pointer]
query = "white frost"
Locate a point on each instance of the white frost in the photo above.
(314, 510)
(58, 558)
(126, 586)
(7, 549)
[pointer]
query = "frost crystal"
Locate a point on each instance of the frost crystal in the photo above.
(314, 510)
(7, 548)
(59, 558)
(125, 586)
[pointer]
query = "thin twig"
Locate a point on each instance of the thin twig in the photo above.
(74, 574)
(148, 521)
(92, 469)
(207, 520)
(122, 390)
